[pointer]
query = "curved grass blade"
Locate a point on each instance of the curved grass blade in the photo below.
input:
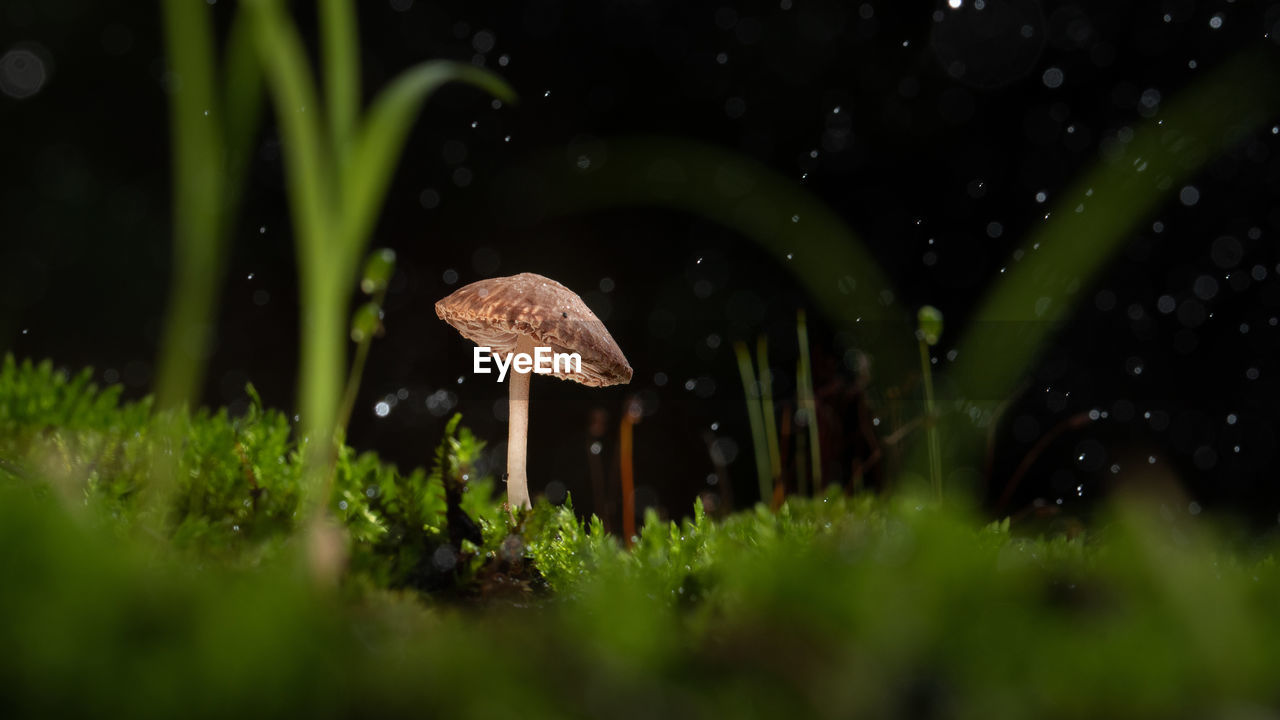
(310, 178)
(382, 136)
(198, 184)
(341, 57)
(1095, 217)
(242, 106)
(801, 233)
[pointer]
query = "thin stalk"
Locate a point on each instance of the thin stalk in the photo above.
(802, 456)
(752, 392)
(353, 386)
(766, 408)
(341, 60)
(805, 387)
(321, 370)
(931, 422)
(518, 433)
(198, 188)
(356, 373)
(627, 468)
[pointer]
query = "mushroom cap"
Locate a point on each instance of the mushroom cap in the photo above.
(494, 313)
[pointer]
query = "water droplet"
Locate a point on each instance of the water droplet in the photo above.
(382, 409)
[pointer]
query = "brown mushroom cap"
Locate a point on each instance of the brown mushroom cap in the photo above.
(494, 313)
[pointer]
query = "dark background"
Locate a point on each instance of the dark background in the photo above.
(950, 122)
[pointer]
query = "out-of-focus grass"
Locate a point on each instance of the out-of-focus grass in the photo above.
(1090, 222)
(1137, 171)
(832, 607)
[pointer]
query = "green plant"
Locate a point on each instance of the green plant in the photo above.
(808, 409)
(366, 324)
(928, 332)
(1091, 221)
(755, 416)
(214, 110)
(1041, 283)
(338, 164)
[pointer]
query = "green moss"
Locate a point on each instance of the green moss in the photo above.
(835, 606)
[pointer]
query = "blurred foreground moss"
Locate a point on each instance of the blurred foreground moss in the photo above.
(830, 607)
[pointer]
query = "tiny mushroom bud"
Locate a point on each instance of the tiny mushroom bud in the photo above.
(514, 315)
(366, 322)
(378, 270)
(930, 328)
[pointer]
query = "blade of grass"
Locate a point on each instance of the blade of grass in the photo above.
(198, 185)
(339, 50)
(311, 191)
(766, 407)
(805, 388)
(311, 196)
(931, 423)
(242, 103)
(807, 238)
(928, 332)
(382, 135)
(752, 393)
(1027, 304)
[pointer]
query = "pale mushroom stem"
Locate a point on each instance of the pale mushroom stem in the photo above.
(518, 432)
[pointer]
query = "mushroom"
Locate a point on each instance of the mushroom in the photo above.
(515, 315)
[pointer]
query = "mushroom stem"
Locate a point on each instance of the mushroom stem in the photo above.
(518, 432)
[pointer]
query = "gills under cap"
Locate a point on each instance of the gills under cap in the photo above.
(494, 313)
